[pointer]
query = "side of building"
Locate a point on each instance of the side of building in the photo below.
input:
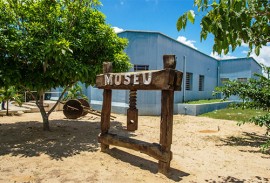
(201, 73)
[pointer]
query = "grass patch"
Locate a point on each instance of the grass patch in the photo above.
(236, 114)
(204, 101)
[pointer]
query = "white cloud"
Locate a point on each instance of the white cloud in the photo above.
(264, 56)
(245, 52)
(185, 41)
(244, 44)
(222, 56)
(117, 29)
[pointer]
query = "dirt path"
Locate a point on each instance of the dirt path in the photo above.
(204, 150)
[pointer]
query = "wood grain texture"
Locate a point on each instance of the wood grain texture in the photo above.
(168, 79)
(151, 149)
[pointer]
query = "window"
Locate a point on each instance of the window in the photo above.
(201, 83)
(243, 80)
(224, 80)
(189, 81)
(141, 67)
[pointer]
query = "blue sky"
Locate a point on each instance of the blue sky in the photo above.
(161, 16)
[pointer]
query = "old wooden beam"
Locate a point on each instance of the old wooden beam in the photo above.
(106, 107)
(132, 111)
(144, 80)
(152, 149)
(166, 123)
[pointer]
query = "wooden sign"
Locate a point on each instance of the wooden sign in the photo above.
(167, 79)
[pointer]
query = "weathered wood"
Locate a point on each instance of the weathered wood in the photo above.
(105, 116)
(166, 127)
(97, 113)
(85, 104)
(132, 111)
(145, 80)
(132, 119)
(106, 111)
(106, 107)
(178, 81)
(151, 149)
(166, 124)
(169, 61)
(167, 80)
(73, 109)
(107, 67)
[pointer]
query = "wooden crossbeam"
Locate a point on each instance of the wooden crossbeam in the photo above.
(167, 80)
(152, 149)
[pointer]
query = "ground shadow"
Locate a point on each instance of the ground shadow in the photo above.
(236, 180)
(66, 138)
(247, 139)
(145, 164)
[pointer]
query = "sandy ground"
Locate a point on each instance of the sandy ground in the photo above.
(71, 153)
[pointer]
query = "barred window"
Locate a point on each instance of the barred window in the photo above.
(189, 78)
(201, 83)
(141, 67)
(224, 80)
(243, 80)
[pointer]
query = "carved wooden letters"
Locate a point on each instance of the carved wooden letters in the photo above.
(167, 80)
(125, 79)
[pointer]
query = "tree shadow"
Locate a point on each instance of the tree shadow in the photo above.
(66, 138)
(247, 139)
(174, 174)
(236, 180)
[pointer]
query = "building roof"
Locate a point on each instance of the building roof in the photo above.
(239, 59)
(156, 32)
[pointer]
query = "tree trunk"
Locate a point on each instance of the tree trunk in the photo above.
(46, 126)
(45, 116)
(7, 108)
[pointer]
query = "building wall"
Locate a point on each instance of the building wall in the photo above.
(255, 67)
(235, 68)
(148, 48)
(192, 61)
(143, 50)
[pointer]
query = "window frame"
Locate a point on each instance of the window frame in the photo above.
(201, 82)
(139, 67)
(189, 81)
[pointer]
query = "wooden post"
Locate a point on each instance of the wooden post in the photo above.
(167, 80)
(166, 124)
(106, 107)
(132, 112)
(169, 62)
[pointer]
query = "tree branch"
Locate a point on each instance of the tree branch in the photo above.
(59, 99)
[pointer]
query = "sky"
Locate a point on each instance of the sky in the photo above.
(161, 16)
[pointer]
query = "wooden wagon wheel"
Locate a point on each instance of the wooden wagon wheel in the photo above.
(85, 105)
(73, 109)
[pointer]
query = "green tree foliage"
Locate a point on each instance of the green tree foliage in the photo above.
(254, 94)
(47, 43)
(232, 22)
(9, 93)
(75, 92)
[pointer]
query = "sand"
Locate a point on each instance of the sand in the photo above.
(204, 150)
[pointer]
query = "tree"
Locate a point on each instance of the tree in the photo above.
(254, 94)
(232, 22)
(75, 92)
(9, 93)
(47, 43)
